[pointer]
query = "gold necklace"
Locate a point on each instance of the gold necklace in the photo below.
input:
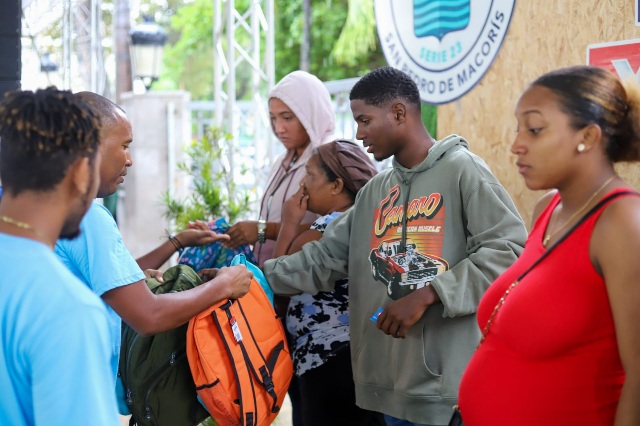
(573, 216)
(24, 225)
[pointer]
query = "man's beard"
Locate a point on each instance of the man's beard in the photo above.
(74, 231)
(70, 235)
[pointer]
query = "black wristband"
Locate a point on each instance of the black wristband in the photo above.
(176, 243)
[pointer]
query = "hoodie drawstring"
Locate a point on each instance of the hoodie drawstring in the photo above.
(404, 212)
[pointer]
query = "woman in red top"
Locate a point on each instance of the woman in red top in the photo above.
(562, 346)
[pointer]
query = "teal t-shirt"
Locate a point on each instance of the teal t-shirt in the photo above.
(100, 260)
(54, 363)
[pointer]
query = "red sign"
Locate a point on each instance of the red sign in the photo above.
(620, 57)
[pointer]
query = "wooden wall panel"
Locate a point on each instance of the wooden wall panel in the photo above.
(543, 35)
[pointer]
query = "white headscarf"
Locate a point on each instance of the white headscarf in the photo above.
(310, 101)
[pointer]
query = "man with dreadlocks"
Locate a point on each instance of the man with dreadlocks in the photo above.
(54, 363)
(421, 244)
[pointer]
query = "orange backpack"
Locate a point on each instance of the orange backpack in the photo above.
(240, 360)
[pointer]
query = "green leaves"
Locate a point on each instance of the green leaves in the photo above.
(215, 193)
(344, 43)
(358, 36)
(188, 57)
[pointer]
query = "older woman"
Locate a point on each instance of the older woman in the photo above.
(319, 323)
(561, 327)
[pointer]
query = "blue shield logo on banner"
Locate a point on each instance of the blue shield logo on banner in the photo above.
(439, 17)
(448, 49)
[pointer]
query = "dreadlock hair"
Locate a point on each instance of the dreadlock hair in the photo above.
(106, 110)
(41, 134)
(386, 84)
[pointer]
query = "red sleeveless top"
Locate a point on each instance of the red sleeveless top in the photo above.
(551, 356)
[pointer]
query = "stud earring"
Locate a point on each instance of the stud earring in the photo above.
(581, 147)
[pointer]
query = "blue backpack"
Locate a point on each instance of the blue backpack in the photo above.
(241, 259)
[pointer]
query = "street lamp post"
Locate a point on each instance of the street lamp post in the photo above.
(147, 48)
(47, 64)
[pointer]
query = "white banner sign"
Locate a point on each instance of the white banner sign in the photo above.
(446, 46)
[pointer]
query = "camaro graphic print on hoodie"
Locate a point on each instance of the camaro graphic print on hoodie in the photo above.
(407, 261)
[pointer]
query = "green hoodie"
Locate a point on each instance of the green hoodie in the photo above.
(462, 230)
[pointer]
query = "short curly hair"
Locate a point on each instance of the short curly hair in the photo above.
(41, 134)
(386, 84)
(107, 110)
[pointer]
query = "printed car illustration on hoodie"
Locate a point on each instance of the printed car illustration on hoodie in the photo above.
(404, 272)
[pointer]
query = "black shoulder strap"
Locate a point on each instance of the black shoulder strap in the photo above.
(594, 209)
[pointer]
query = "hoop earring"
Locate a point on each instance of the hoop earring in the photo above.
(581, 147)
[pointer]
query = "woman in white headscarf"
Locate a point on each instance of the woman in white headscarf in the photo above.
(302, 118)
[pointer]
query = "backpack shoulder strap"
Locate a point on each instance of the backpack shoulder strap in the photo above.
(226, 322)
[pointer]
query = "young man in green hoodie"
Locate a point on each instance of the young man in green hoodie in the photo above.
(420, 246)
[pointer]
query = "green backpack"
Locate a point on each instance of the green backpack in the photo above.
(158, 387)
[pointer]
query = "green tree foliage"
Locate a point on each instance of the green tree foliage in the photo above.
(344, 44)
(188, 58)
(360, 25)
(330, 60)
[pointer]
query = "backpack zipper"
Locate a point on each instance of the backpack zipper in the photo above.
(127, 365)
(159, 373)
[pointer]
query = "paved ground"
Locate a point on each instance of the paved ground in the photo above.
(284, 418)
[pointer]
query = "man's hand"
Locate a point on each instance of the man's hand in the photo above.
(199, 234)
(236, 278)
(244, 232)
(154, 273)
(208, 274)
(400, 315)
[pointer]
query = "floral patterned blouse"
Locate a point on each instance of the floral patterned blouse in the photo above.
(319, 324)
